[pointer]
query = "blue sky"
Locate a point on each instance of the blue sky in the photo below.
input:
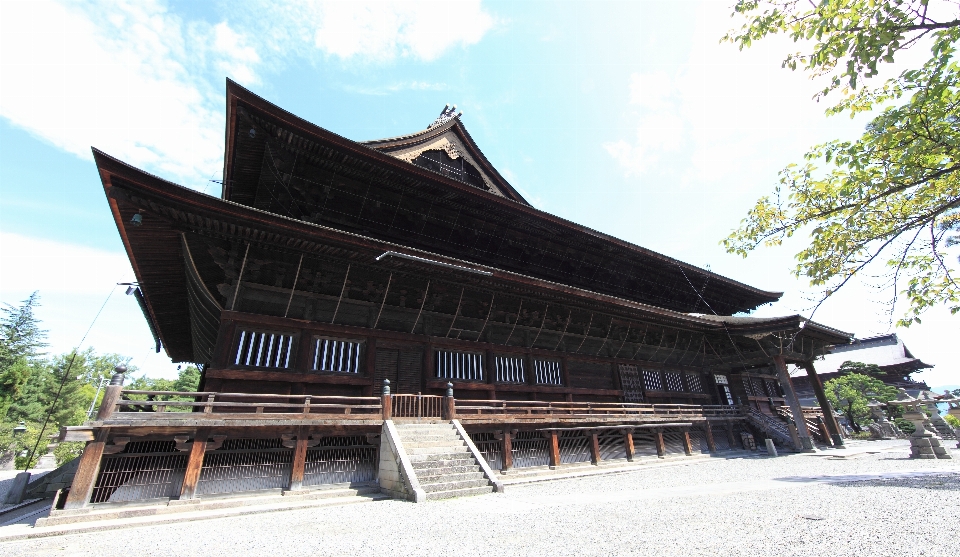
(628, 117)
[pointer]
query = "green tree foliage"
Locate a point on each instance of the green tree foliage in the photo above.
(861, 368)
(21, 340)
(188, 380)
(893, 195)
(852, 393)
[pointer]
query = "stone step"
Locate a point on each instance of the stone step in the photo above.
(445, 476)
(455, 445)
(425, 428)
(451, 486)
(440, 457)
(436, 449)
(427, 438)
(433, 495)
(428, 470)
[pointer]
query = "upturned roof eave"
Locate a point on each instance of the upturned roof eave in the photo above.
(237, 92)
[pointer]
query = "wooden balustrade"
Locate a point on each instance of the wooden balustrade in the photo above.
(507, 409)
(243, 404)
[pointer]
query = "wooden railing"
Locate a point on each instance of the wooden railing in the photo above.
(417, 406)
(505, 409)
(244, 404)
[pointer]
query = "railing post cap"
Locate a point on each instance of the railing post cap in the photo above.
(118, 376)
(386, 387)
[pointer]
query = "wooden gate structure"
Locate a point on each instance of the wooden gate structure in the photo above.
(327, 267)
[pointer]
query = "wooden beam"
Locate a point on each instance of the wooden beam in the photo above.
(710, 442)
(628, 444)
(594, 449)
(833, 426)
(507, 450)
(661, 448)
(299, 462)
(554, 450)
(86, 476)
(687, 445)
(806, 444)
(191, 475)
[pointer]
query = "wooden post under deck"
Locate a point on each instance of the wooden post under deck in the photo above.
(628, 444)
(687, 445)
(594, 449)
(554, 450)
(194, 464)
(86, 475)
(710, 442)
(507, 451)
(661, 449)
(299, 463)
(730, 438)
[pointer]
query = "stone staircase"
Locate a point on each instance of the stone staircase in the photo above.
(443, 463)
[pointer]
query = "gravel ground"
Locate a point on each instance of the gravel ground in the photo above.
(792, 505)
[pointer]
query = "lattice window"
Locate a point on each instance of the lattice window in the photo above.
(673, 381)
(144, 470)
(693, 381)
(574, 447)
(547, 372)
(757, 385)
(748, 386)
(341, 356)
(245, 465)
(464, 366)
(772, 389)
(510, 369)
(651, 380)
(264, 349)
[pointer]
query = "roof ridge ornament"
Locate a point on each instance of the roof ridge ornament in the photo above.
(448, 113)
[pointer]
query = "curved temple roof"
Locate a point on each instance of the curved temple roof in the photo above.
(406, 190)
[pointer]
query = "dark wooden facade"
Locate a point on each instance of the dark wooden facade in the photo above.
(329, 266)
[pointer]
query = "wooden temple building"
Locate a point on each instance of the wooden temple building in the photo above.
(393, 314)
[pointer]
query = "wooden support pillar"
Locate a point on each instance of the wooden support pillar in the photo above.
(554, 449)
(191, 475)
(86, 476)
(687, 445)
(386, 401)
(824, 431)
(806, 444)
(109, 402)
(370, 364)
(828, 416)
(628, 444)
(661, 448)
(710, 442)
(429, 365)
(507, 451)
(299, 461)
(594, 449)
(730, 439)
(449, 404)
(795, 436)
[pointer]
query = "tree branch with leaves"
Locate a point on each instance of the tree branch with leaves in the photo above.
(892, 196)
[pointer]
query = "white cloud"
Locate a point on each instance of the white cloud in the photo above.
(139, 82)
(127, 83)
(383, 30)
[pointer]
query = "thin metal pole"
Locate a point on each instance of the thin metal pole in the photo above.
(425, 292)
(240, 277)
(294, 287)
(342, 290)
(384, 302)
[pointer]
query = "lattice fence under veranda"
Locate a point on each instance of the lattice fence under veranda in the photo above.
(245, 465)
(673, 442)
(612, 445)
(529, 448)
(490, 447)
(144, 470)
(698, 439)
(574, 447)
(644, 444)
(342, 459)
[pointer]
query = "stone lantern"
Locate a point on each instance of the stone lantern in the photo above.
(923, 443)
(954, 410)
